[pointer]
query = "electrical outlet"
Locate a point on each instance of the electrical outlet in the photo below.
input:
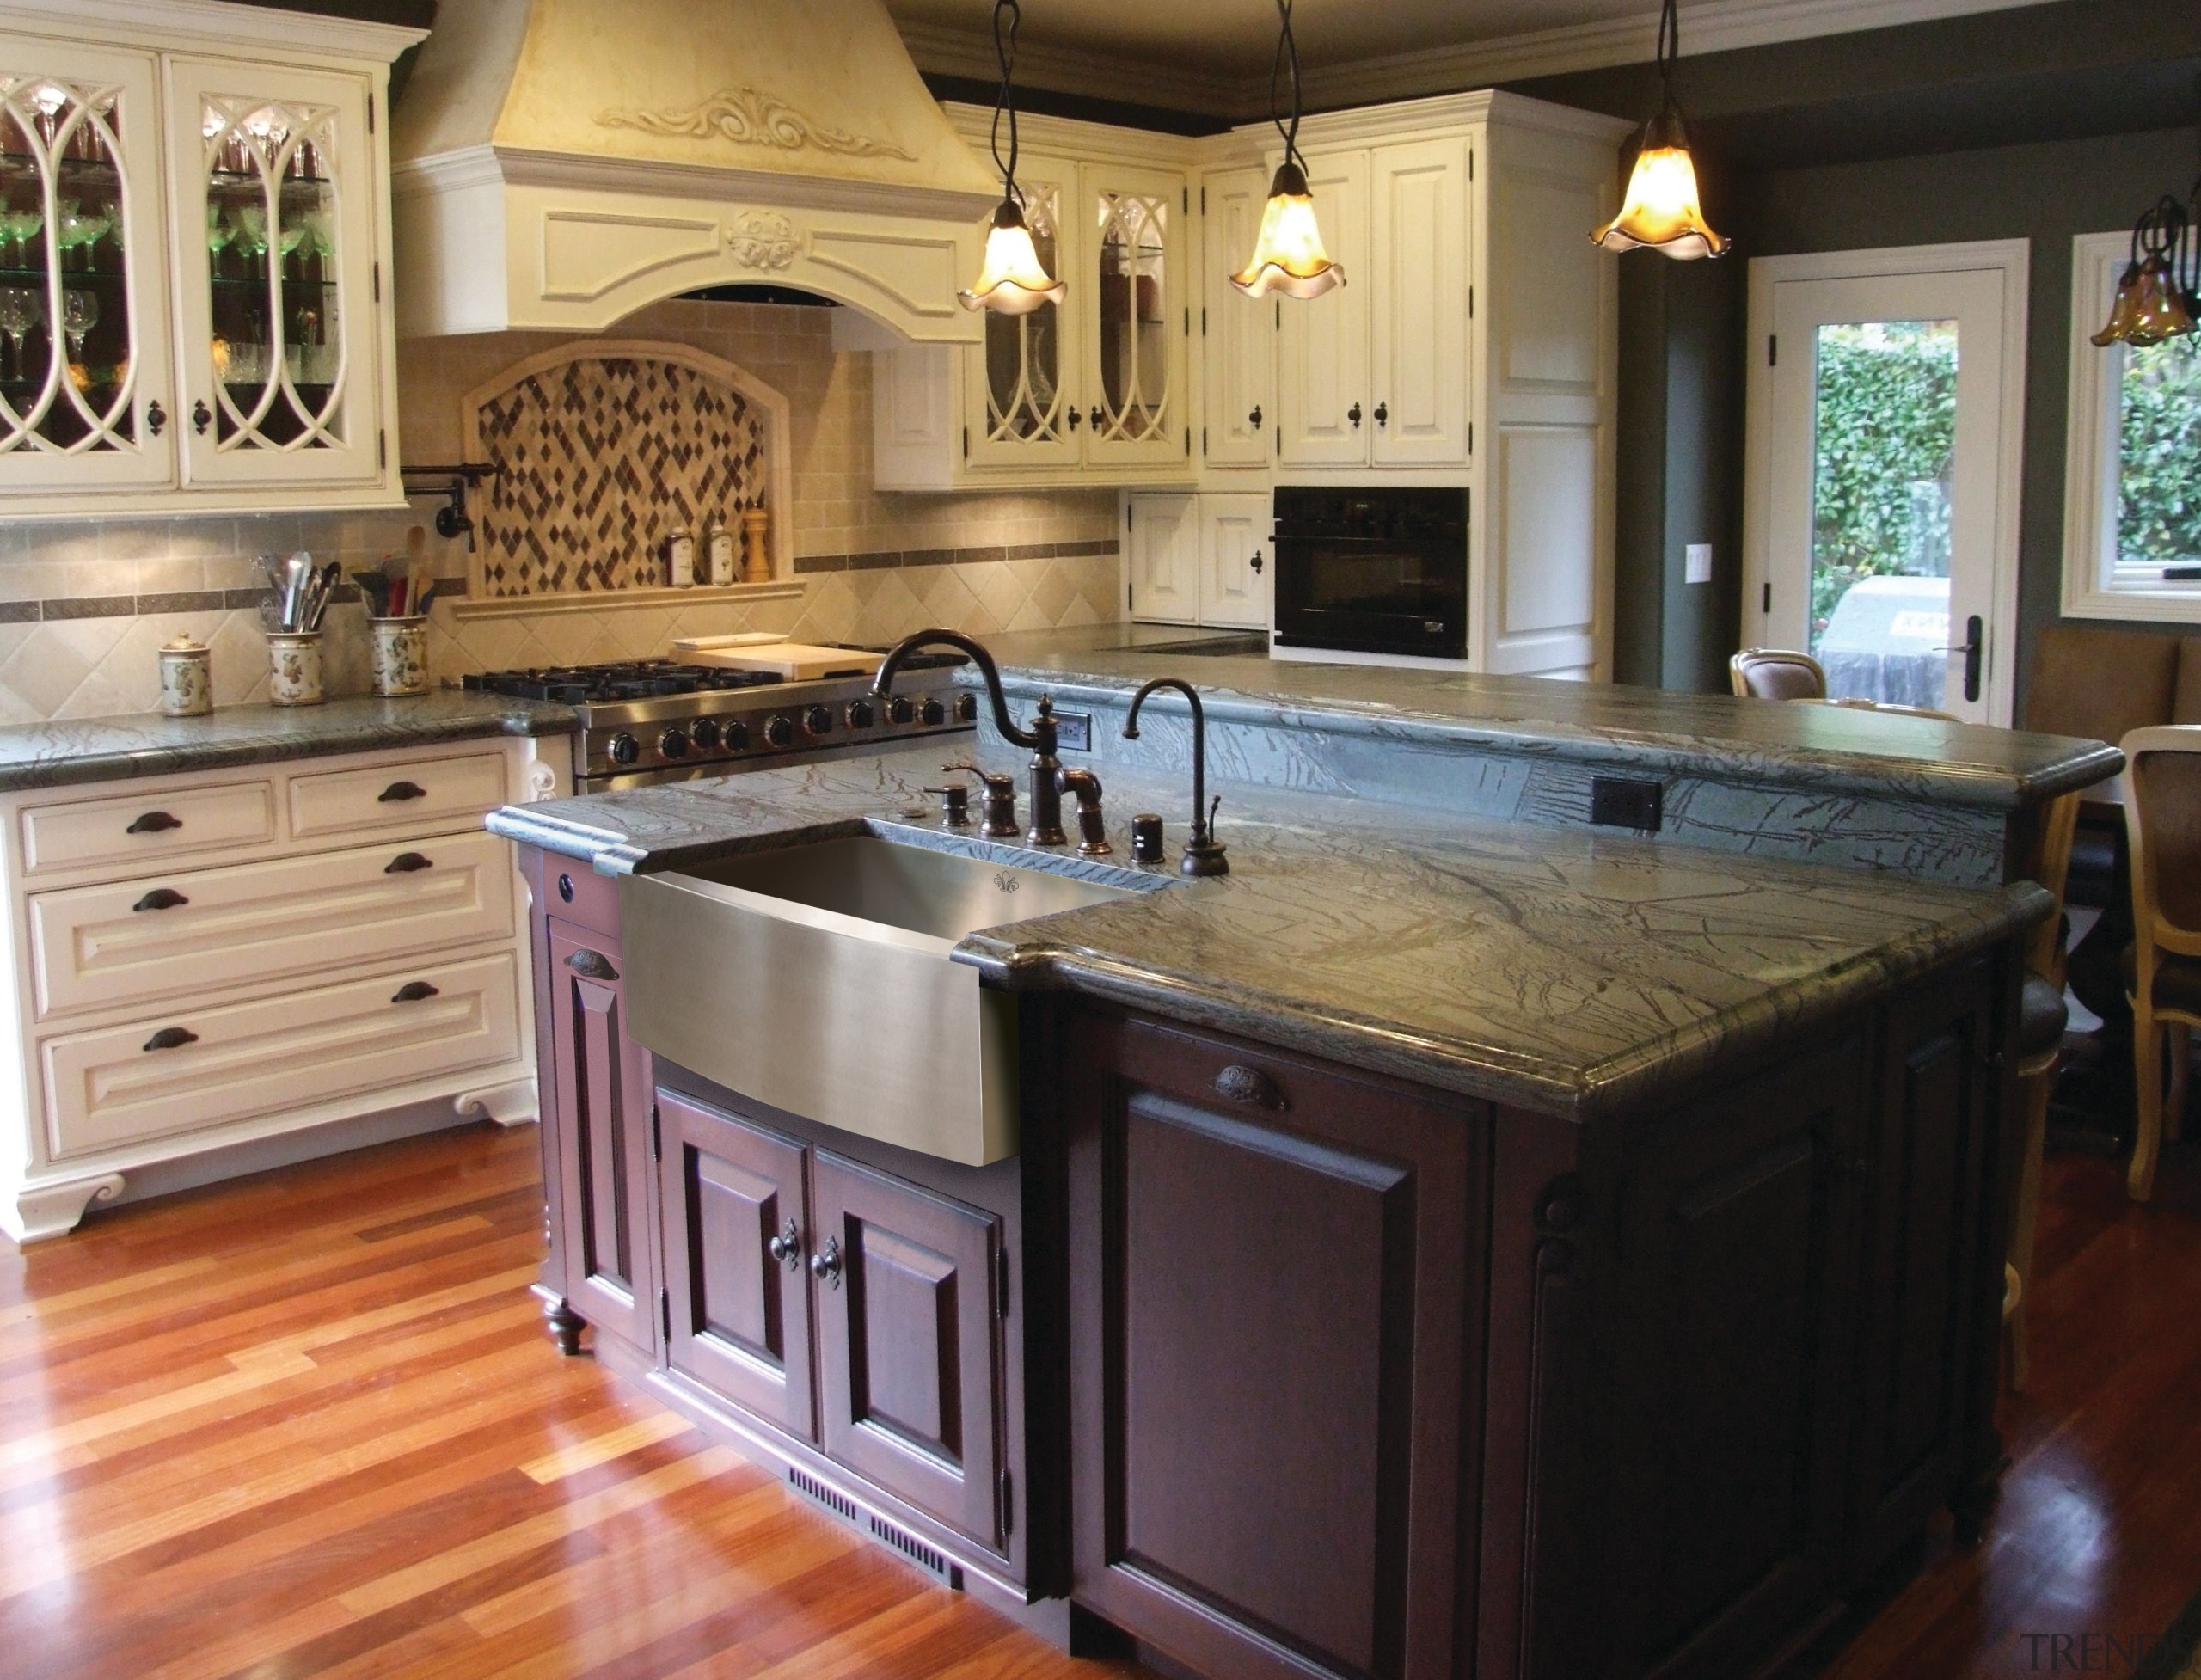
(1700, 562)
(1619, 802)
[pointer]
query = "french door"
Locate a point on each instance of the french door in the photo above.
(1887, 398)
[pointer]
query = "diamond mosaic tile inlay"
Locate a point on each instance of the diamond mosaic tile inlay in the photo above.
(602, 459)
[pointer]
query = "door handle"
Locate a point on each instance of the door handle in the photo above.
(153, 822)
(1076, 420)
(1255, 562)
(1255, 418)
(1382, 414)
(406, 862)
(398, 792)
(787, 1246)
(172, 1038)
(413, 992)
(201, 416)
(1353, 415)
(1093, 416)
(592, 966)
(160, 898)
(156, 418)
(825, 1264)
(1973, 647)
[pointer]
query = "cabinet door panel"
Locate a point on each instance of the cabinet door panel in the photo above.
(909, 1342)
(1132, 249)
(740, 1315)
(1267, 1325)
(601, 1086)
(1234, 561)
(1237, 333)
(1418, 201)
(1322, 342)
(1021, 386)
(1164, 539)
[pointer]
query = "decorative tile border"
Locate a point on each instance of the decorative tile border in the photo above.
(890, 559)
(62, 608)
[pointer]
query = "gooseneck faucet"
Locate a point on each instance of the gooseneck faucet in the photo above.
(1203, 853)
(1046, 806)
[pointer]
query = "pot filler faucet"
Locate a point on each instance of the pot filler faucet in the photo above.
(1045, 769)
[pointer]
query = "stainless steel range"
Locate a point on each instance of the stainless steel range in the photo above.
(648, 720)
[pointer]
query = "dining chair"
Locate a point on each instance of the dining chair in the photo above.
(1776, 673)
(2162, 824)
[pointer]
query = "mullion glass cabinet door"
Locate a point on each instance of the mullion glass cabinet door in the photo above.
(1133, 265)
(84, 360)
(276, 220)
(1023, 403)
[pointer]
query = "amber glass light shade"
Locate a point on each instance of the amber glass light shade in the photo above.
(1011, 281)
(1660, 211)
(1288, 254)
(2148, 308)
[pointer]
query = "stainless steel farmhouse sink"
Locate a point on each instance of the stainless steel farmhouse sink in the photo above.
(817, 979)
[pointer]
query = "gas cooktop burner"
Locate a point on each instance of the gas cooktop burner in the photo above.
(629, 680)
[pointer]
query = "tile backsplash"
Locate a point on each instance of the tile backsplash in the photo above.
(84, 605)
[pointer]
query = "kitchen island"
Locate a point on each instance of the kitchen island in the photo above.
(1439, 1246)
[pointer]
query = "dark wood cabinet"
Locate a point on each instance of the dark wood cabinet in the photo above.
(910, 1298)
(599, 1104)
(737, 1247)
(1271, 1267)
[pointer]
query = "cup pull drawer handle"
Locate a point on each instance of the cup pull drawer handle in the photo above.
(153, 822)
(591, 967)
(160, 898)
(413, 992)
(172, 1038)
(400, 791)
(406, 863)
(1240, 1083)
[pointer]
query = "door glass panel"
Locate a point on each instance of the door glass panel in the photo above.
(1024, 397)
(1134, 394)
(65, 313)
(1883, 469)
(273, 266)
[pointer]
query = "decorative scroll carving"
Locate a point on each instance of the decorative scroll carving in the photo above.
(751, 118)
(759, 239)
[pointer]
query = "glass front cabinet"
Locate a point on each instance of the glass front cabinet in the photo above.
(192, 257)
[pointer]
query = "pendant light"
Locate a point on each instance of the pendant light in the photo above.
(1011, 279)
(1288, 254)
(1660, 211)
(2159, 295)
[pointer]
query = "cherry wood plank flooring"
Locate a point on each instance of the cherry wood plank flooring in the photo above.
(309, 1424)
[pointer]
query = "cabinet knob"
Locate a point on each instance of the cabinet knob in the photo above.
(593, 966)
(172, 1038)
(160, 898)
(1076, 419)
(1092, 415)
(787, 1246)
(201, 416)
(1353, 415)
(1382, 414)
(413, 992)
(156, 418)
(825, 1264)
(399, 791)
(1255, 562)
(406, 863)
(1240, 1083)
(1253, 418)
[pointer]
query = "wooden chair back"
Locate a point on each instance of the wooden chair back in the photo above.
(2162, 821)
(1776, 673)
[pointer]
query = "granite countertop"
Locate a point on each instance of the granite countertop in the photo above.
(68, 751)
(1571, 972)
(1829, 748)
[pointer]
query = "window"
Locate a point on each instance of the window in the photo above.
(2132, 477)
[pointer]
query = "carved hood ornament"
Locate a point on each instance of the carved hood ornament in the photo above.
(749, 116)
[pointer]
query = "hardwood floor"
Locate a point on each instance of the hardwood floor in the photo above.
(309, 1424)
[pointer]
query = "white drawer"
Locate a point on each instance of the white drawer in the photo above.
(423, 795)
(140, 827)
(191, 1069)
(193, 931)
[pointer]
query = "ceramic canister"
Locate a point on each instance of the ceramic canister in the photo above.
(187, 680)
(399, 655)
(294, 657)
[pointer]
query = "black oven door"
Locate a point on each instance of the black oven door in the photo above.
(1372, 595)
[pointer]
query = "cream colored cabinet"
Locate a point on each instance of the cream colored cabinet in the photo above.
(1161, 546)
(1237, 335)
(1322, 342)
(1199, 559)
(1235, 570)
(194, 244)
(212, 972)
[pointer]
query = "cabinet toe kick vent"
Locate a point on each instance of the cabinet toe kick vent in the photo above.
(832, 1500)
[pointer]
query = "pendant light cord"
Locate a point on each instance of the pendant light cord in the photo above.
(1287, 58)
(1007, 16)
(1670, 49)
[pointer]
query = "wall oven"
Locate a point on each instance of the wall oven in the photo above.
(1372, 571)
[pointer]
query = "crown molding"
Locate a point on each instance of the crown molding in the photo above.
(1067, 137)
(187, 24)
(1712, 26)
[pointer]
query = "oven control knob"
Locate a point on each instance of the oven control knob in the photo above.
(625, 749)
(862, 714)
(818, 720)
(736, 736)
(966, 708)
(780, 732)
(900, 710)
(673, 744)
(704, 732)
(932, 714)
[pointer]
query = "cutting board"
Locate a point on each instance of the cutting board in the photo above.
(791, 661)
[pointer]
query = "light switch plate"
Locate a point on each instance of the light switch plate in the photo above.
(1700, 562)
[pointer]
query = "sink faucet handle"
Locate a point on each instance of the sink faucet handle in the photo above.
(1203, 853)
(1092, 823)
(954, 805)
(998, 811)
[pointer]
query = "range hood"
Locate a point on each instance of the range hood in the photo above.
(557, 165)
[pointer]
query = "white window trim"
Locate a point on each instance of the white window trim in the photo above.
(2090, 453)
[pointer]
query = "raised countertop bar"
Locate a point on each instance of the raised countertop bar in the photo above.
(1571, 972)
(70, 752)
